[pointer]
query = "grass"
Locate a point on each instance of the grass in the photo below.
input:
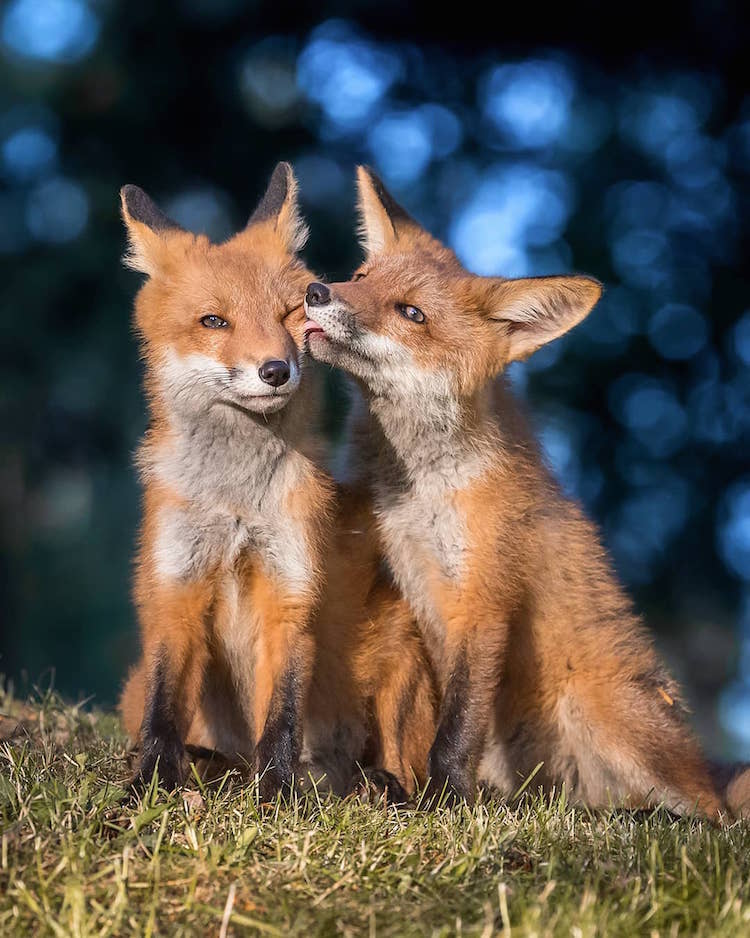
(74, 862)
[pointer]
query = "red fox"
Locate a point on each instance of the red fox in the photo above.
(539, 656)
(237, 516)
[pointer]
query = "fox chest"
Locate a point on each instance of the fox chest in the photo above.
(425, 544)
(190, 545)
(233, 508)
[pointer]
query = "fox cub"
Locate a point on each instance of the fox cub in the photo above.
(237, 521)
(539, 656)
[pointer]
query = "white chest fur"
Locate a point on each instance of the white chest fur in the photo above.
(420, 536)
(234, 473)
(421, 467)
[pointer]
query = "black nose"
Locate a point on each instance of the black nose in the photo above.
(274, 372)
(318, 294)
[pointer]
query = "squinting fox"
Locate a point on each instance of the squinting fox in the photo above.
(539, 655)
(237, 514)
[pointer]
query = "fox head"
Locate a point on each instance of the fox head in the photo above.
(221, 324)
(413, 321)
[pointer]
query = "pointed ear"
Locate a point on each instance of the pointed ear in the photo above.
(148, 230)
(535, 310)
(279, 207)
(380, 215)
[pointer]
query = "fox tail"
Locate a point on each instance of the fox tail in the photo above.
(733, 784)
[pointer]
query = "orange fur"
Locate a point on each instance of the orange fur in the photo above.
(373, 692)
(371, 684)
(237, 515)
(220, 605)
(539, 655)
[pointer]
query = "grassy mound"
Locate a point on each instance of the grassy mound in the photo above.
(73, 861)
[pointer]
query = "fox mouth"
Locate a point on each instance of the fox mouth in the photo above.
(259, 404)
(332, 333)
(262, 403)
(312, 327)
(329, 333)
(272, 398)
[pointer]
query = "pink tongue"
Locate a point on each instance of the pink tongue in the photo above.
(312, 326)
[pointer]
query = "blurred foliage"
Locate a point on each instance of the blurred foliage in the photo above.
(625, 157)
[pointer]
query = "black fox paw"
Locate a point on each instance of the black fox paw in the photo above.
(167, 759)
(375, 785)
(272, 783)
(446, 793)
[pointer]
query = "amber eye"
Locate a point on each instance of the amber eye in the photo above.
(411, 313)
(214, 322)
(358, 276)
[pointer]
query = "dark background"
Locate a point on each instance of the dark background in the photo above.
(614, 141)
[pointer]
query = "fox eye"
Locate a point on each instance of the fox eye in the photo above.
(358, 276)
(411, 313)
(213, 322)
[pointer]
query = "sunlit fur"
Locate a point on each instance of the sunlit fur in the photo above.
(540, 657)
(236, 537)
(372, 699)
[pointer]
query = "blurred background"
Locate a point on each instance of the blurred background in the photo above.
(549, 142)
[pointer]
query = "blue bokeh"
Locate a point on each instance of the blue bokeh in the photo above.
(526, 165)
(53, 31)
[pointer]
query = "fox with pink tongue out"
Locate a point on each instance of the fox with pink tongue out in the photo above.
(543, 668)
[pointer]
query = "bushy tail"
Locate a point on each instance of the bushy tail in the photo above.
(733, 783)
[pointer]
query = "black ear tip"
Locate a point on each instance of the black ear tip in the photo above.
(282, 177)
(279, 186)
(394, 210)
(141, 207)
(130, 194)
(138, 203)
(283, 168)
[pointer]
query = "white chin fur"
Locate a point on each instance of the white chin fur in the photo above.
(197, 382)
(264, 405)
(343, 343)
(381, 362)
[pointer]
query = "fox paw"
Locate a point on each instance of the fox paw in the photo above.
(375, 785)
(272, 783)
(165, 757)
(446, 793)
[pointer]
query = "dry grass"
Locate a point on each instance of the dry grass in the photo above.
(73, 862)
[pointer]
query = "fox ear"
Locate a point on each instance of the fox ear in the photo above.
(279, 207)
(147, 227)
(535, 310)
(380, 215)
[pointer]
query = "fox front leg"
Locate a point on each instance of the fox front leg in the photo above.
(175, 657)
(280, 744)
(161, 745)
(283, 665)
(462, 724)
